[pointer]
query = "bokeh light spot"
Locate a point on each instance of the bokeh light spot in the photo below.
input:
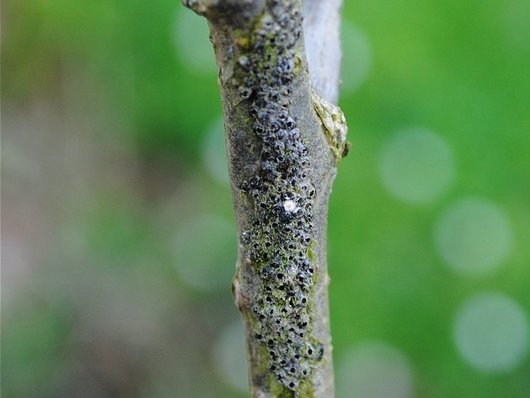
(473, 236)
(229, 357)
(205, 252)
(491, 332)
(374, 370)
(192, 41)
(214, 153)
(416, 165)
(356, 57)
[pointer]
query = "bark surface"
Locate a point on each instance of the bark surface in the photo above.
(283, 143)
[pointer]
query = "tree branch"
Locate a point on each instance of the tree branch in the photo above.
(283, 145)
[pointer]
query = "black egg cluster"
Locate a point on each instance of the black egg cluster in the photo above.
(280, 241)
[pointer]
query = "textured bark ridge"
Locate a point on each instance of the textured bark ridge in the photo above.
(283, 145)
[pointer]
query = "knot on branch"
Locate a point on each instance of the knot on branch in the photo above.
(198, 6)
(224, 9)
(334, 126)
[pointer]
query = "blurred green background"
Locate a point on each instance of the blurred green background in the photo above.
(118, 236)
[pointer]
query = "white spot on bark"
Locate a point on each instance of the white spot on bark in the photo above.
(289, 206)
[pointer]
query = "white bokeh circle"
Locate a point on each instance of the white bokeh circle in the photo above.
(356, 57)
(416, 165)
(491, 332)
(205, 252)
(473, 236)
(192, 42)
(229, 357)
(374, 370)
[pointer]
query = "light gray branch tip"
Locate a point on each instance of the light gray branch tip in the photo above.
(322, 44)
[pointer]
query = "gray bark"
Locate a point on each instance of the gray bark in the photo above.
(283, 144)
(322, 44)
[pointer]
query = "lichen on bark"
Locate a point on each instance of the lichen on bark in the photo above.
(281, 168)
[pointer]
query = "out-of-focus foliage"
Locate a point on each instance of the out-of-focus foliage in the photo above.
(118, 240)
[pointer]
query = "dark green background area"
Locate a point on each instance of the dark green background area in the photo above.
(105, 120)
